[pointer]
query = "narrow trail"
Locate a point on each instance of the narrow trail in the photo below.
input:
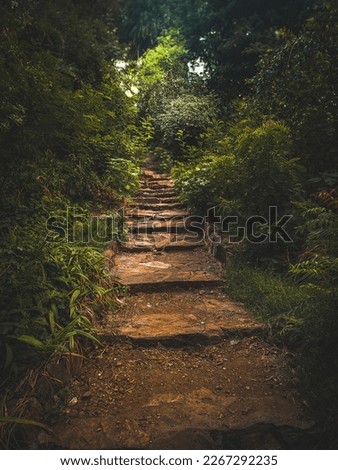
(182, 367)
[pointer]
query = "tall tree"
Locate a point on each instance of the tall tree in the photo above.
(143, 21)
(230, 36)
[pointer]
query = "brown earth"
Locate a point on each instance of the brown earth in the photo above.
(181, 366)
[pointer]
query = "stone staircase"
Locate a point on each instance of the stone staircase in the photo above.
(183, 366)
(165, 251)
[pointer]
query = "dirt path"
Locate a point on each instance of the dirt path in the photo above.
(182, 367)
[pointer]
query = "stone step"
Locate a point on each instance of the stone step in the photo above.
(150, 284)
(153, 167)
(158, 193)
(171, 226)
(157, 184)
(183, 318)
(157, 206)
(155, 200)
(162, 241)
(160, 271)
(184, 243)
(155, 175)
(178, 329)
(149, 214)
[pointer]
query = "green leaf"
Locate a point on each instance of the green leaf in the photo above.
(85, 334)
(52, 314)
(73, 300)
(30, 340)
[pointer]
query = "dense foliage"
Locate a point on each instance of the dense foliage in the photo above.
(69, 144)
(227, 36)
(251, 168)
(172, 95)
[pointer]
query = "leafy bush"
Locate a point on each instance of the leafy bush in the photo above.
(268, 172)
(54, 286)
(206, 183)
(257, 171)
(184, 119)
(161, 73)
(69, 139)
(318, 266)
(173, 97)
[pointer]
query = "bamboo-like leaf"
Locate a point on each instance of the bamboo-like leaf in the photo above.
(108, 291)
(30, 340)
(71, 342)
(74, 297)
(30, 422)
(85, 334)
(52, 313)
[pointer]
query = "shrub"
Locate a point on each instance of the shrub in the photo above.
(184, 119)
(257, 171)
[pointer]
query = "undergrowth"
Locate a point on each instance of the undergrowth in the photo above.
(70, 146)
(299, 317)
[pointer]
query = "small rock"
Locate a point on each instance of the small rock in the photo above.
(219, 387)
(234, 342)
(74, 401)
(248, 388)
(87, 395)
